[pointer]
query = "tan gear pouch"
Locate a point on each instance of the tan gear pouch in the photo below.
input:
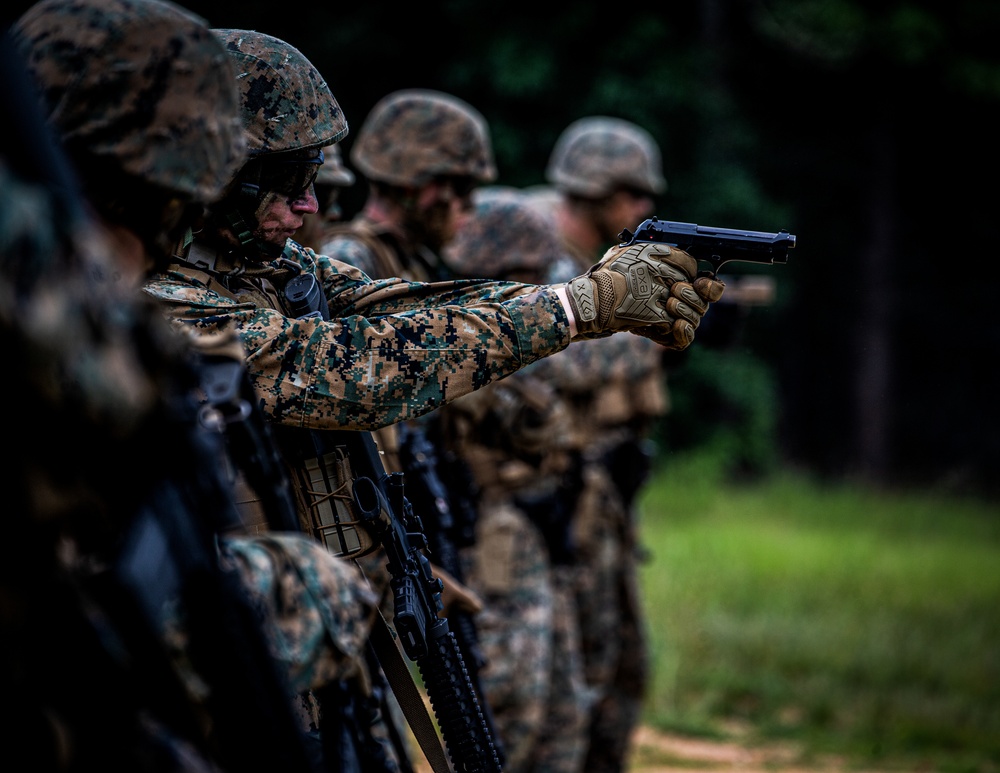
(650, 397)
(326, 493)
(611, 405)
(495, 549)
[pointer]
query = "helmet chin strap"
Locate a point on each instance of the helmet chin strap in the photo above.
(248, 198)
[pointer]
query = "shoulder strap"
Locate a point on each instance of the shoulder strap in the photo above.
(387, 262)
(405, 689)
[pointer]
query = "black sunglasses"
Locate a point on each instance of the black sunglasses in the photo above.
(461, 186)
(289, 178)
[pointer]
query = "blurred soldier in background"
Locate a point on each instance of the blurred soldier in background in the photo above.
(333, 176)
(605, 173)
(514, 435)
(142, 630)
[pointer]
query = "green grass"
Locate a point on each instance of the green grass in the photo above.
(852, 621)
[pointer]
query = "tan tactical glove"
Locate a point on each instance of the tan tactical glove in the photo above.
(646, 288)
(696, 296)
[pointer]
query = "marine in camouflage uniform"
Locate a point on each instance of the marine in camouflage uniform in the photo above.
(100, 369)
(515, 437)
(604, 173)
(330, 348)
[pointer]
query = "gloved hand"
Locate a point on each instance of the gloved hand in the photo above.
(696, 296)
(646, 287)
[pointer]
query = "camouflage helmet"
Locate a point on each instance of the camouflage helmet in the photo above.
(414, 135)
(287, 104)
(139, 85)
(504, 236)
(596, 155)
(333, 171)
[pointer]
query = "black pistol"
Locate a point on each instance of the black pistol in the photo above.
(716, 246)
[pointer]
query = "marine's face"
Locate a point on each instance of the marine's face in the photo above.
(442, 207)
(625, 208)
(280, 215)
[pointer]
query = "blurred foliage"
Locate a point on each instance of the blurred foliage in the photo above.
(854, 622)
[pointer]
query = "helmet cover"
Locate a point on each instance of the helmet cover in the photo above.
(414, 135)
(287, 104)
(596, 155)
(505, 235)
(141, 84)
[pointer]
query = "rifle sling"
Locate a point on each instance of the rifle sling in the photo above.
(410, 700)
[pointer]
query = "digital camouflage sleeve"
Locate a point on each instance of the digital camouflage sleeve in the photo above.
(392, 349)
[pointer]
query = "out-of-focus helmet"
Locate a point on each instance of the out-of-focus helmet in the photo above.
(504, 237)
(333, 171)
(596, 155)
(543, 199)
(142, 86)
(287, 104)
(414, 135)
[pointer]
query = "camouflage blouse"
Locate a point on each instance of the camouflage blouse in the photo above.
(391, 350)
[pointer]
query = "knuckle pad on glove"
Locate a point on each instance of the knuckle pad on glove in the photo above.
(681, 312)
(683, 334)
(686, 292)
(671, 274)
(672, 256)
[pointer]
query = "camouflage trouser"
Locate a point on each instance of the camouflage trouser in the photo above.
(509, 569)
(562, 744)
(611, 623)
(598, 534)
(617, 714)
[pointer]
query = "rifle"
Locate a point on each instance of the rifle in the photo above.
(716, 246)
(446, 533)
(426, 638)
(231, 412)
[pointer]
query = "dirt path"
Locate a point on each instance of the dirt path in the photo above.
(657, 752)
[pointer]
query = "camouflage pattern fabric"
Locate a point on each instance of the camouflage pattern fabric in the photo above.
(597, 154)
(504, 239)
(320, 607)
(393, 350)
(599, 541)
(414, 135)
(514, 435)
(81, 376)
(380, 250)
(617, 713)
(509, 569)
(143, 110)
(615, 388)
(564, 737)
(286, 103)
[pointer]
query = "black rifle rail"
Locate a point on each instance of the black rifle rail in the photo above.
(426, 638)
